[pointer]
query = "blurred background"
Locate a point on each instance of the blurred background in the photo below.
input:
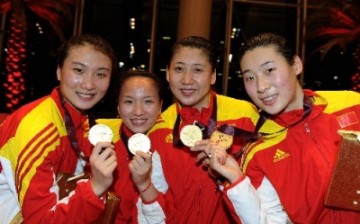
(326, 34)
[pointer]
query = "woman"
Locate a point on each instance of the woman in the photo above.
(291, 165)
(139, 107)
(180, 189)
(47, 137)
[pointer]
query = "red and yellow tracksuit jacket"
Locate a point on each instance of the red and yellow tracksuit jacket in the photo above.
(188, 193)
(35, 148)
(292, 167)
(123, 185)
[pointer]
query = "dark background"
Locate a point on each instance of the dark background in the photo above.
(110, 18)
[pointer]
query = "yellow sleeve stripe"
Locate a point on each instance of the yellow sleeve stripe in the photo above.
(265, 143)
(33, 155)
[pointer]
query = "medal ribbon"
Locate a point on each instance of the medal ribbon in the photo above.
(125, 139)
(70, 128)
(206, 130)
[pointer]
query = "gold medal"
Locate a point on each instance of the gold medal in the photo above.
(190, 134)
(100, 133)
(139, 142)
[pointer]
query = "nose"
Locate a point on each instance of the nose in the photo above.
(88, 82)
(187, 77)
(262, 84)
(138, 109)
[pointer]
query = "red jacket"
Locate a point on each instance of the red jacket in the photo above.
(34, 141)
(189, 194)
(297, 163)
(123, 185)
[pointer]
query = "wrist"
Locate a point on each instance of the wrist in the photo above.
(145, 187)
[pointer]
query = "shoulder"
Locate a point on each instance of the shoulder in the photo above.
(235, 108)
(114, 124)
(225, 103)
(169, 113)
(38, 122)
(167, 118)
(34, 115)
(337, 100)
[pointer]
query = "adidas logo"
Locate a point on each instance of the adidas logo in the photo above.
(280, 155)
(169, 138)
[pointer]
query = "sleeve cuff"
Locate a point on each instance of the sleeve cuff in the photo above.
(229, 186)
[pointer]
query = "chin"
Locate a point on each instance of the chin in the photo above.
(138, 130)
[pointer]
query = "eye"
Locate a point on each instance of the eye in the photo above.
(101, 74)
(148, 101)
(127, 101)
(198, 70)
(248, 78)
(178, 69)
(270, 70)
(78, 70)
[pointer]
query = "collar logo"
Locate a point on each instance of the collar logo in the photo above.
(280, 155)
(169, 138)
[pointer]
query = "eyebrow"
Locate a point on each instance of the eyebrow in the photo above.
(261, 65)
(103, 68)
(83, 65)
(183, 63)
(266, 63)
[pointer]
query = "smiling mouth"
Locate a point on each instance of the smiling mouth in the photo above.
(187, 91)
(138, 122)
(86, 95)
(269, 99)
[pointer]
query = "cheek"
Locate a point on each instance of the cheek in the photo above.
(103, 85)
(71, 80)
(154, 112)
(283, 78)
(124, 112)
(250, 88)
(172, 80)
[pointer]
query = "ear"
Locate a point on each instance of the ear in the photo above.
(167, 73)
(213, 77)
(58, 73)
(161, 103)
(298, 65)
(118, 110)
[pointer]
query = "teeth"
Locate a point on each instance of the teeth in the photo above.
(187, 90)
(268, 98)
(138, 121)
(85, 95)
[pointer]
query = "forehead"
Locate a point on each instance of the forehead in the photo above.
(189, 54)
(260, 54)
(84, 50)
(139, 82)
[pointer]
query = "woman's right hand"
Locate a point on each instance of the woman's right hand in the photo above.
(140, 168)
(103, 163)
(229, 168)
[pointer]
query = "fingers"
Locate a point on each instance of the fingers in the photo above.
(98, 148)
(202, 156)
(103, 158)
(145, 155)
(201, 145)
(218, 158)
(141, 162)
(140, 167)
(103, 162)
